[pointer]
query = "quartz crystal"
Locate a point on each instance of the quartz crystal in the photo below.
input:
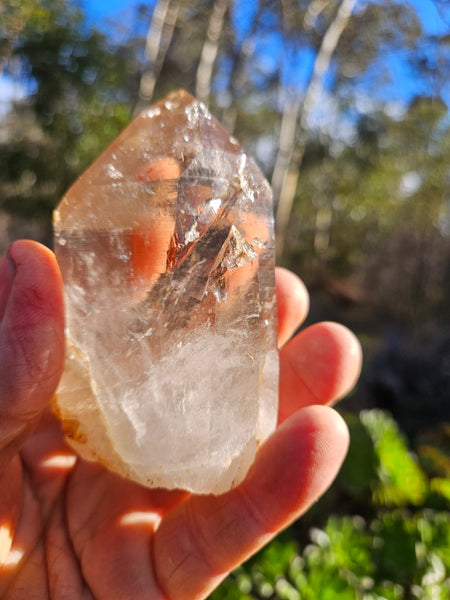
(166, 250)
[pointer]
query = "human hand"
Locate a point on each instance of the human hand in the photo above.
(72, 530)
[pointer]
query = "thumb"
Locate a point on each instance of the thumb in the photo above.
(31, 340)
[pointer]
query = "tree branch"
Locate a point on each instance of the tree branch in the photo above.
(158, 40)
(210, 50)
(287, 177)
(313, 11)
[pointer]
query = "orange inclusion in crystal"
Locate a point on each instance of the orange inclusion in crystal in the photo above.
(161, 169)
(150, 242)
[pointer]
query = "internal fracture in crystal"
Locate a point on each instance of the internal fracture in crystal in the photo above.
(166, 250)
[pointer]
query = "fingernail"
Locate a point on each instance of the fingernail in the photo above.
(7, 274)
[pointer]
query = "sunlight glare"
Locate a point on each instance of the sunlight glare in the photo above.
(5, 542)
(59, 461)
(141, 518)
(13, 558)
(9, 556)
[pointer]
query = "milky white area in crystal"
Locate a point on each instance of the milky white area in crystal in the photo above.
(166, 250)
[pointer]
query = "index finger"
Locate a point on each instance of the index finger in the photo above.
(293, 303)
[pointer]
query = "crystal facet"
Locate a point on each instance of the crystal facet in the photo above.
(166, 250)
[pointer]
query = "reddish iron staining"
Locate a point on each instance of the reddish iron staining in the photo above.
(172, 251)
(70, 428)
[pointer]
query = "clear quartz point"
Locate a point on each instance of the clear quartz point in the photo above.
(166, 250)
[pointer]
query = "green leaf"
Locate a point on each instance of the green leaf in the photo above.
(360, 467)
(401, 481)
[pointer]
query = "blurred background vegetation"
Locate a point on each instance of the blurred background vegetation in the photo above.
(345, 105)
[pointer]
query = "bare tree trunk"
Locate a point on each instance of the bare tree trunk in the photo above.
(158, 40)
(238, 78)
(313, 11)
(210, 50)
(287, 181)
(324, 216)
(288, 125)
(286, 143)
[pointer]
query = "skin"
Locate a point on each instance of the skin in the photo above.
(70, 529)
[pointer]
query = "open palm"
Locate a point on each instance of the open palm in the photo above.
(70, 529)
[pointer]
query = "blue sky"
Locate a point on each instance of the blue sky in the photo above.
(118, 16)
(103, 8)
(434, 20)
(403, 83)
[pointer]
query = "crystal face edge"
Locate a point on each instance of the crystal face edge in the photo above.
(166, 250)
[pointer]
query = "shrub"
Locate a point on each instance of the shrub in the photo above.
(396, 548)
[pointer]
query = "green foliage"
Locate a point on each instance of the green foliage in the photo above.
(399, 550)
(360, 469)
(433, 448)
(362, 206)
(395, 554)
(81, 88)
(14, 14)
(363, 199)
(401, 481)
(362, 202)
